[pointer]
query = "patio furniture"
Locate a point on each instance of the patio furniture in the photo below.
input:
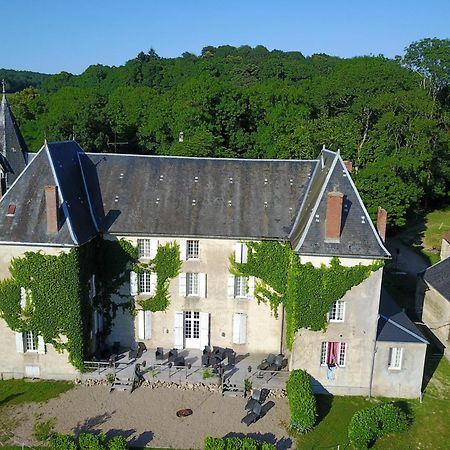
(173, 354)
(255, 398)
(231, 359)
(207, 350)
(266, 363)
(159, 354)
(277, 364)
(179, 361)
(137, 351)
(253, 415)
(206, 360)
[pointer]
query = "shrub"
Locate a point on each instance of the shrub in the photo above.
(369, 424)
(43, 431)
(206, 374)
(62, 442)
(118, 443)
(236, 443)
(89, 441)
(302, 402)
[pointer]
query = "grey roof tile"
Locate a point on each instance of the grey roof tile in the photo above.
(438, 276)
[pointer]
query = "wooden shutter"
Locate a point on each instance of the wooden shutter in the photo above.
(244, 253)
(239, 328)
(41, 345)
(204, 329)
(133, 283)
(202, 285)
(251, 287)
(141, 324)
(23, 298)
(153, 282)
(153, 247)
(179, 332)
(231, 284)
(183, 252)
(182, 284)
(238, 252)
(144, 324)
(19, 342)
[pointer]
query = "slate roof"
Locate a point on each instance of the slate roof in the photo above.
(186, 197)
(438, 276)
(12, 144)
(394, 325)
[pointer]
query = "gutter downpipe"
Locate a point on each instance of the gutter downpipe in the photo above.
(373, 360)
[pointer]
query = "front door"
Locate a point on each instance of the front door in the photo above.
(192, 329)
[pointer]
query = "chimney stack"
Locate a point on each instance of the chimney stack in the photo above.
(381, 223)
(52, 208)
(333, 218)
(349, 166)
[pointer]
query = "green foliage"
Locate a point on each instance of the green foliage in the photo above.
(167, 265)
(117, 443)
(236, 443)
(42, 431)
(62, 442)
(110, 378)
(248, 386)
(307, 292)
(302, 402)
(57, 305)
(89, 441)
(206, 374)
(369, 424)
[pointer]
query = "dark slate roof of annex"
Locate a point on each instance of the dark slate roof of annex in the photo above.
(12, 144)
(358, 234)
(438, 276)
(209, 197)
(394, 325)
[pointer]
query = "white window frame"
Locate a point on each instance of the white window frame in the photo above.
(337, 311)
(29, 344)
(343, 347)
(192, 249)
(395, 358)
(192, 284)
(145, 282)
(144, 248)
(240, 286)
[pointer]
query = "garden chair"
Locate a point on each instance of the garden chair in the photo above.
(206, 360)
(173, 354)
(277, 364)
(266, 363)
(255, 398)
(253, 415)
(231, 359)
(159, 354)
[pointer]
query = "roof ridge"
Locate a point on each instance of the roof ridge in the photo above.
(401, 327)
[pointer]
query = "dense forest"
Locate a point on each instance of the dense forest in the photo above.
(391, 118)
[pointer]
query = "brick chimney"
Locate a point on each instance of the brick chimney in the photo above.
(381, 223)
(52, 207)
(349, 166)
(333, 218)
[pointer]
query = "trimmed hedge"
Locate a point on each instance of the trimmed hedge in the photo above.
(369, 424)
(302, 402)
(236, 443)
(87, 441)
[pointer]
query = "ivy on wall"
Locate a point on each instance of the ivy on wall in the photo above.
(166, 264)
(306, 292)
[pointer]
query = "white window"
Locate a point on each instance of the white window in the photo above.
(147, 282)
(192, 249)
(192, 285)
(333, 353)
(395, 358)
(240, 286)
(147, 248)
(337, 311)
(239, 328)
(30, 344)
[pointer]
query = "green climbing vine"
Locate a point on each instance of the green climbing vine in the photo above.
(307, 292)
(166, 264)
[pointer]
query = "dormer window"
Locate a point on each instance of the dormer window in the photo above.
(11, 209)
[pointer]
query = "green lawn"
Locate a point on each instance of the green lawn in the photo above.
(14, 392)
(430, 428)
(437, 224)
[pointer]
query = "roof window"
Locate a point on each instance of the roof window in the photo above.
(11, 209)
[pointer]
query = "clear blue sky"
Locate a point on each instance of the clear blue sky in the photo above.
(55, 35)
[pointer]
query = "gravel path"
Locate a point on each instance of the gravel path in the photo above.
(147, 417)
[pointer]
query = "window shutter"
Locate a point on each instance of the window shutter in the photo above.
(141, 324)
(19, 342)
(133, 283)
(23, 298)
(238, 252)
(183, 284)
(93, 287)
(251, 287)
(244, 253)
(153, 282)
(41, 345)
(178, 329)
(147, 324)
(202, 285)
(153, 247)
(183, 250)
(204, 329)
(231, 286)
(239, 328)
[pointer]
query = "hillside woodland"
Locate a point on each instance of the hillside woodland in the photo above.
(391, 118)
